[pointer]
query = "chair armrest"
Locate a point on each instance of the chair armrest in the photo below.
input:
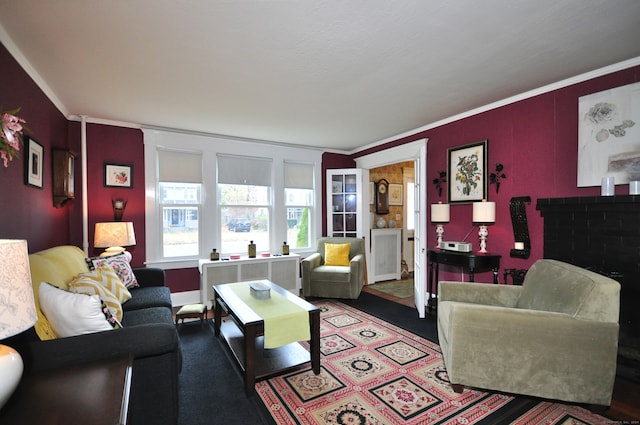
(149, 276)
(356, 263)
(312, 261)
(139, 341)
(479, 293)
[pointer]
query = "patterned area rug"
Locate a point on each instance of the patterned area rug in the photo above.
(375, 373)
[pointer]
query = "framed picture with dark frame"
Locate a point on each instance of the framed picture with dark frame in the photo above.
(118, 175)
(34, 163)
(467, 171)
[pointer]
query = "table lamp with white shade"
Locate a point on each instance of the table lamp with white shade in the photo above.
(439, 216)
(114, 236)
(484, 213)
(17, 310)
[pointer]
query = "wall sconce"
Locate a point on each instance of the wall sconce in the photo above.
(118, 208)
(439, 215)
(484, 213)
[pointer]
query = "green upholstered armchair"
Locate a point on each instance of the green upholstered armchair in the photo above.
(555, 337)
(328, 281)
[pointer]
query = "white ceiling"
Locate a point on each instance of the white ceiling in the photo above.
(333, 74)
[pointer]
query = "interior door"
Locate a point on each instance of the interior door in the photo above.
(420, 233)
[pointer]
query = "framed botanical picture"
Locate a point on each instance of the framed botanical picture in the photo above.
(34, 162)
(118, 175)
(467, 171)
(395, 194)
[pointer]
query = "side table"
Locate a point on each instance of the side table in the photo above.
(469, 260)
(94, 393)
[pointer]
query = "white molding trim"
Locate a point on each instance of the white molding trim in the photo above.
(404, 152)
(513, 99)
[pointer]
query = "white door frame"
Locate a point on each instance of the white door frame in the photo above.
(407, 152)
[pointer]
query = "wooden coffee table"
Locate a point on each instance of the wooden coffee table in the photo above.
(244, 334)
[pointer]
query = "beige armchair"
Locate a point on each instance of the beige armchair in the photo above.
(323, 280)
(555, 337)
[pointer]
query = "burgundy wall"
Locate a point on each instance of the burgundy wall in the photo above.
(27, 212)
(537, 141)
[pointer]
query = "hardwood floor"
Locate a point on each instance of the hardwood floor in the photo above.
(625, 406)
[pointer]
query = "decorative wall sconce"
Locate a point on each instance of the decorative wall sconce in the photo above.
(439, 181)
(118, 208)
(484, 213)
(497, 176)
(439, 215)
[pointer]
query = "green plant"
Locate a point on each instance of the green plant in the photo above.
(303, 231)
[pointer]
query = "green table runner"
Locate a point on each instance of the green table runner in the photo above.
(284, 322)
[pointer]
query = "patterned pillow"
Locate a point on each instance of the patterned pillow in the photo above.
(115, 323)
(92, 284)
(107, 277)
(120, 264)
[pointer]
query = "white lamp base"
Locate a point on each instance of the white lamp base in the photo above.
(115, 250)
(11, 368)
(483, 233)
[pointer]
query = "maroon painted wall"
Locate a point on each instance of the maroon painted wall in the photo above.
(27, 212)
(537, 142)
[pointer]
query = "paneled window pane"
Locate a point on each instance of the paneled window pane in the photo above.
(299, 203)
(180, 206)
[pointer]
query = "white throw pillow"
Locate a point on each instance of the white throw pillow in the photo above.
(72, 314)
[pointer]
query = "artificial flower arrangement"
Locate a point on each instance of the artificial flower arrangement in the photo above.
(11, 136)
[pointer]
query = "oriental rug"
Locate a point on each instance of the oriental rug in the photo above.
(374, 373)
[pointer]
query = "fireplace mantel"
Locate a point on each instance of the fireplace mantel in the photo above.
(602, 233)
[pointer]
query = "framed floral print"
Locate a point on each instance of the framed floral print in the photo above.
(467, 171)
(118, 175)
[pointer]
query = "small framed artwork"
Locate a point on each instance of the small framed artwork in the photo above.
(395, 194)
(34, 163)
(467, 171)
(118, 175)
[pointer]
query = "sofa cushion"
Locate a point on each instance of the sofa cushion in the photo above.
(152, 296)
(554, 286)
(72, 314)
(147, 316)
(331, 274)
(120, 264)
(336, 254)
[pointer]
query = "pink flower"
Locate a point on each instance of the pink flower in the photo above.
(10, 136)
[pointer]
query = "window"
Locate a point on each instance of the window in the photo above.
(244, 193)
(299, 194)
(179, 202)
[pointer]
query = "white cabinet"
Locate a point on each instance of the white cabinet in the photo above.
(386, 255)
(346, 212)
(283, 270)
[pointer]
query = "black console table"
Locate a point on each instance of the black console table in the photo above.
(468, 260)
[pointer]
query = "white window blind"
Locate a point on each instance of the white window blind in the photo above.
(244, 170)
(298, 176)
(179, 166)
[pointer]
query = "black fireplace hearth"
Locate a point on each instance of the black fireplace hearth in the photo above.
(602, 233)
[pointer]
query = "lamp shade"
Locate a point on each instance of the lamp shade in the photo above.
(17, 307)
(116, 233)
(439, 213)
(484, 212)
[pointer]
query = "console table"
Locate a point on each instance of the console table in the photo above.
(468, 260)
(91, 393)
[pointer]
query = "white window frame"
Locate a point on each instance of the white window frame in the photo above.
(209, 221)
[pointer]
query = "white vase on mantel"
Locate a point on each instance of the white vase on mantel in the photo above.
(381, 223)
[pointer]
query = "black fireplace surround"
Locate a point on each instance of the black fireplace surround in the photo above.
(602, 233)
